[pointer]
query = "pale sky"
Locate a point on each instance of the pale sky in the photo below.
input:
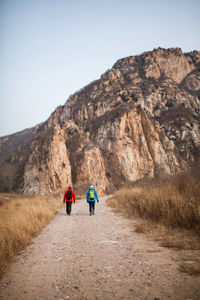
(49, 49)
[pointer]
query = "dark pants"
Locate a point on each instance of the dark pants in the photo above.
(91, 206)
(68, 207)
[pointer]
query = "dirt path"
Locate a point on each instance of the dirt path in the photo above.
(96, 257)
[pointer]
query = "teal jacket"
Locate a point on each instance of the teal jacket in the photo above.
(95, 194)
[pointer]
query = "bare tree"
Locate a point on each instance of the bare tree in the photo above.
(8, 172)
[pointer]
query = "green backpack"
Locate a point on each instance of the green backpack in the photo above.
(91, 195)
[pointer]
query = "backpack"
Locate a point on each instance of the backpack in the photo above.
(69, 195)
(91, 195)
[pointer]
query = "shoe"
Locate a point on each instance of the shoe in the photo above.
(93, 212)
(90, 212)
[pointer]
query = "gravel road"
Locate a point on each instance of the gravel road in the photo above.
(96, 257)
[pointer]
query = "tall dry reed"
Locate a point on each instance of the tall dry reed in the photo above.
(21, 219)
(174, 202)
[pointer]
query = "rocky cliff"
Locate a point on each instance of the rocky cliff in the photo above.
(140, 119)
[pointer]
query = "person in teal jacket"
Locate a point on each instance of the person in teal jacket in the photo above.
(91, 197)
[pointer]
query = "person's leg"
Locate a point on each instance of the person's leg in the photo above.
(69, 207)
(93, 207)
(90, 207)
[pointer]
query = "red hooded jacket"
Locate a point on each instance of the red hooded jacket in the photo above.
(65, 196)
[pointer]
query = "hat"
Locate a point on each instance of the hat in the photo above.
(91, 186)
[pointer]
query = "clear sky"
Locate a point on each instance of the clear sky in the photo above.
(49, 49)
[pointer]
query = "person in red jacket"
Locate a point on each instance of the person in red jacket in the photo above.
(68, 195)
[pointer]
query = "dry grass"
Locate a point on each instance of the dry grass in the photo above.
(166, 210)
(173, 202)
(21, 218)
(176, 238)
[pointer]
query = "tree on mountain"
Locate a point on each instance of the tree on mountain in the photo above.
(8, 172)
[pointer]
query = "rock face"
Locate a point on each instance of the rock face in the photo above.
(48, 166)
(140, 119)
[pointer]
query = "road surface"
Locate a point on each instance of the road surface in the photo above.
(96, 257)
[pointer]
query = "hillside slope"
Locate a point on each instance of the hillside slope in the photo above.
(140, 119)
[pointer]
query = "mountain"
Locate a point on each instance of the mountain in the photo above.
(140, 119)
